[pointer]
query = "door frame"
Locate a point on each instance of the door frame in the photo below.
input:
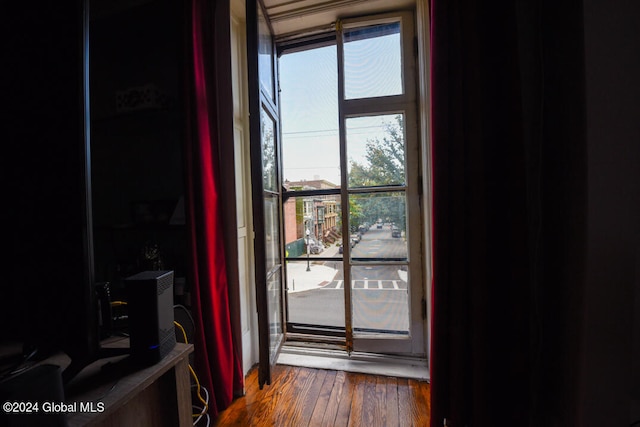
(271, 331)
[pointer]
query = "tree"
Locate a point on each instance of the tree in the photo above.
(384, 159)
(268, 153)
(384, 165)
(356, 214)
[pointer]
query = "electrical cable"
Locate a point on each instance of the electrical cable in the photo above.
(116, 318)
(118, 303)
(202, 410)
(205, 416)
(204, 401)
(186, 310)
(198, 393)
(184, 333)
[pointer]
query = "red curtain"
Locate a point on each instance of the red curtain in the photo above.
(218, 364)
(509, 206)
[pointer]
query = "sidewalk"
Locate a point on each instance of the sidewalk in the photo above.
(319, 275)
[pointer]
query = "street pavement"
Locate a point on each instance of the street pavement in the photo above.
(319, 274)
(379, 297)
(299, 279)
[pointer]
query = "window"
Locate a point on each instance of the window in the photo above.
(350, 157)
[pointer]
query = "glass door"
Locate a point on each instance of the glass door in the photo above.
(352, 223)
(266, 188)
(378, 135)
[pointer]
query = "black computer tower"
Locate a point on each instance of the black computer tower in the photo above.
(150, 311)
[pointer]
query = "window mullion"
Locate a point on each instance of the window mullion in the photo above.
(344, 196)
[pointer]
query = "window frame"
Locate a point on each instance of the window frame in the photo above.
(405, 103)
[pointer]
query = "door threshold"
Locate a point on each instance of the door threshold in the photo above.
(364, 363)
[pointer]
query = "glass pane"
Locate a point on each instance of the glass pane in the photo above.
(315, 293)
(265, 55)
(373, 61)
(379, 222)
(271, 233)
(309, 117)
(376, 150)
(274, 291)
(320, 216)
(267, 128)
(380, 300)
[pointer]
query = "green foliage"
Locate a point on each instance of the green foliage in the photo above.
(356, 213)
(268, 153)
(299, 210)
(384, 166)
(384, 159)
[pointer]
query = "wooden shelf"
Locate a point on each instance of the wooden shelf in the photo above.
(158, 395)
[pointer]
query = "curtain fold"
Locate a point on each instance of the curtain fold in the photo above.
(481, 291)
(218, 364)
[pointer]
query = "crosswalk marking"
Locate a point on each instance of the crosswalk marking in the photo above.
(368, 284)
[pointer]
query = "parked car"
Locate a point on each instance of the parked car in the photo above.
(356, 237)
(352, 245)
(379, 225)
(315, 247)
(395, 232)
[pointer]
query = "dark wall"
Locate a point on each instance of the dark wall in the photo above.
(48, 268)
(73, 161)
(582, 103)
(553, 83)
(610, 357)
(136, 135)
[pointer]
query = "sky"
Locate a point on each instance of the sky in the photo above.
(309, 103)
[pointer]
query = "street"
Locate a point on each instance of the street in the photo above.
(379, 296)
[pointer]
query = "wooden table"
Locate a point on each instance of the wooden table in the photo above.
(122, 395)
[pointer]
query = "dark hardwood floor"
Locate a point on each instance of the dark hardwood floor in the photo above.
(317, 397)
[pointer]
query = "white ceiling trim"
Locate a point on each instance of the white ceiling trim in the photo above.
(298, 8)
(296, 16)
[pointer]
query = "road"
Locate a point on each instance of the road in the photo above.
(378, 243)
(379, 296)
(373, 308)
(375, 244)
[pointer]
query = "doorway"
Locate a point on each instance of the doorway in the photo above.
(344, 153)
(351, 187)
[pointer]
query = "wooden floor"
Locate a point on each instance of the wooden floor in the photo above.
(317, 397)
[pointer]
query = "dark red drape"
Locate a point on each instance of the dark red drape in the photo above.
(218, 364)
(481, 292)
(509, 212)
